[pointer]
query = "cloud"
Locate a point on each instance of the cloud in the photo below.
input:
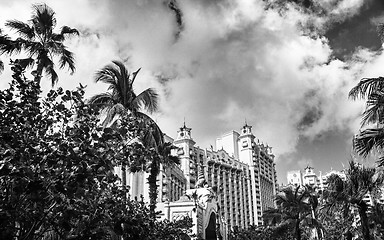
(302, 163)
(231, 61)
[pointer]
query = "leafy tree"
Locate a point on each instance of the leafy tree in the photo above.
(359, 182)
(261, 233)
(56, 169)
(377, 221)
(178, 230)
(336, 214)
(39, 41)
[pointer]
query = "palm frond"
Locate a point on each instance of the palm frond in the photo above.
(112, 112)
(123, 74)
(25, 62)
(124, 89)
(66, 32)
(1, 66)
(67, 59)
(33, 48)
(165, 150)
(108, 75)
(366, 87)
(367, 140)
(380, 162)
(9, 46)
(134, 75)
(50, 71)
(23, 29)
(43, 19)
(148, 100)
(374, 111)
(153, 137)
(380, 31)
(101, 99)
(272, 216)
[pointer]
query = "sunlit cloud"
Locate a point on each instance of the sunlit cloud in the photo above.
(230, 61)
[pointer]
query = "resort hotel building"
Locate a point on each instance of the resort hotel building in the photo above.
(240, 170)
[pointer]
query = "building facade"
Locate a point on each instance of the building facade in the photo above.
(309, 177)
(240, 169)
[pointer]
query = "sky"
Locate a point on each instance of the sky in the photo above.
(283, 66)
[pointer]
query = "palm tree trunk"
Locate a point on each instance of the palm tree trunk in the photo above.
(38, 73)
(124, 180)
(317, 228)
(346, 212)
(297, 230)
(364, 221)
(152, 181)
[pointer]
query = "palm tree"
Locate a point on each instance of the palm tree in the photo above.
(336, 206)
(371, 137)
(293, 209)
(161, 157)
(38, 40)
(359, 182)
(121, 100)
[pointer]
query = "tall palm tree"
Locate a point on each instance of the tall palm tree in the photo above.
(162, 157)
(371, 137)
(293, 209)
(359, 182)
(39, 41)
(121, 100)
(336, 204)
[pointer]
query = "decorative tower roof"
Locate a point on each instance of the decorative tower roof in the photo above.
(184, 135)
(246, 130)
(184, 132)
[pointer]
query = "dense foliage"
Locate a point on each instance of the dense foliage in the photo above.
(56, 169)
(348, 208)
(122, 101)
(57, 159)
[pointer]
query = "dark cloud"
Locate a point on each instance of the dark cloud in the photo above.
(232, 60)
(174, 6)
(330, 150)
(357, 31)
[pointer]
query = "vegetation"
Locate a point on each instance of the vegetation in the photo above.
(121, 100)
(56, 170)
(57, 157)
(341, 211)
(57, 160)
(39, 41)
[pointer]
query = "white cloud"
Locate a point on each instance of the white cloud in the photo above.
(233, 60)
